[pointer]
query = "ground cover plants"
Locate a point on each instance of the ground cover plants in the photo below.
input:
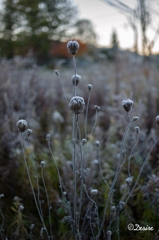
(78, 157)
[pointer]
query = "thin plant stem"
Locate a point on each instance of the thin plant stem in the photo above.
(86, 118)
(27, 169)
(48, 202)
(146, 159)
(96, 116)
(75, 68)
(1, 228)
(63, 89)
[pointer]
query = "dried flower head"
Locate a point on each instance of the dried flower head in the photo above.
(135, 119)
(57, 73)
(127, 104)
(89, 86)
(137, 129)
(84, 141)
(129, 180)
(77, 104)
(73, 47)
(157, 119)
(21, 208)
(42, 164)
(28, 132)
(97, 143)
(76, 79)
(121, 205)
(94, 192)
(96, 107)
(22, 125)
(32, 226)
(1, 195)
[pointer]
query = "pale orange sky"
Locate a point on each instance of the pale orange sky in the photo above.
(106, 18)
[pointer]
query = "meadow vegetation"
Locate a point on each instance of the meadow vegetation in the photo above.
(72, 169)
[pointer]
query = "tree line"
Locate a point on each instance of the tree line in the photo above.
(28, 24)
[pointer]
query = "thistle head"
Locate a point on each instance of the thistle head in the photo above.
(77, 104)
(127, 104)
(73, 47)
(22, 125)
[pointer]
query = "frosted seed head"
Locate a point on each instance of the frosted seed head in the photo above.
(21, 208)
(32, 226)
(94, 192)
(73, 47)
(157, 119)
(137, 129)
(28, 132)
(109, 233)
(22, 125)
(127, 104)
(84, 141)
(113, 209)
(42, 164)
(121, 205)
(129, 181)
(1, 195)
(48, 137)
(135, 119)
(57, 73)
(89, 86)
(96, 107)
(97, 143)
(77, 105)
(76, 79)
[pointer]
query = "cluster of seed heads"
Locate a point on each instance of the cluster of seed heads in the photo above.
(127, 104)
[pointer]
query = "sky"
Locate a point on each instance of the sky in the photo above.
(106, 18)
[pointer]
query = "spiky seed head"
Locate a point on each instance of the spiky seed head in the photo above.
(89, 86)
(48, 137)
(77, 105)
(73, 47)
(157, 119)
(28, 132)
(127, 104)
(22, 125)
(94, 192)
(76, 79)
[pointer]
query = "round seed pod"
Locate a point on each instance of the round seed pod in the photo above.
(127, 104)
(73, 47)
(77, 104)
(22, 125)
